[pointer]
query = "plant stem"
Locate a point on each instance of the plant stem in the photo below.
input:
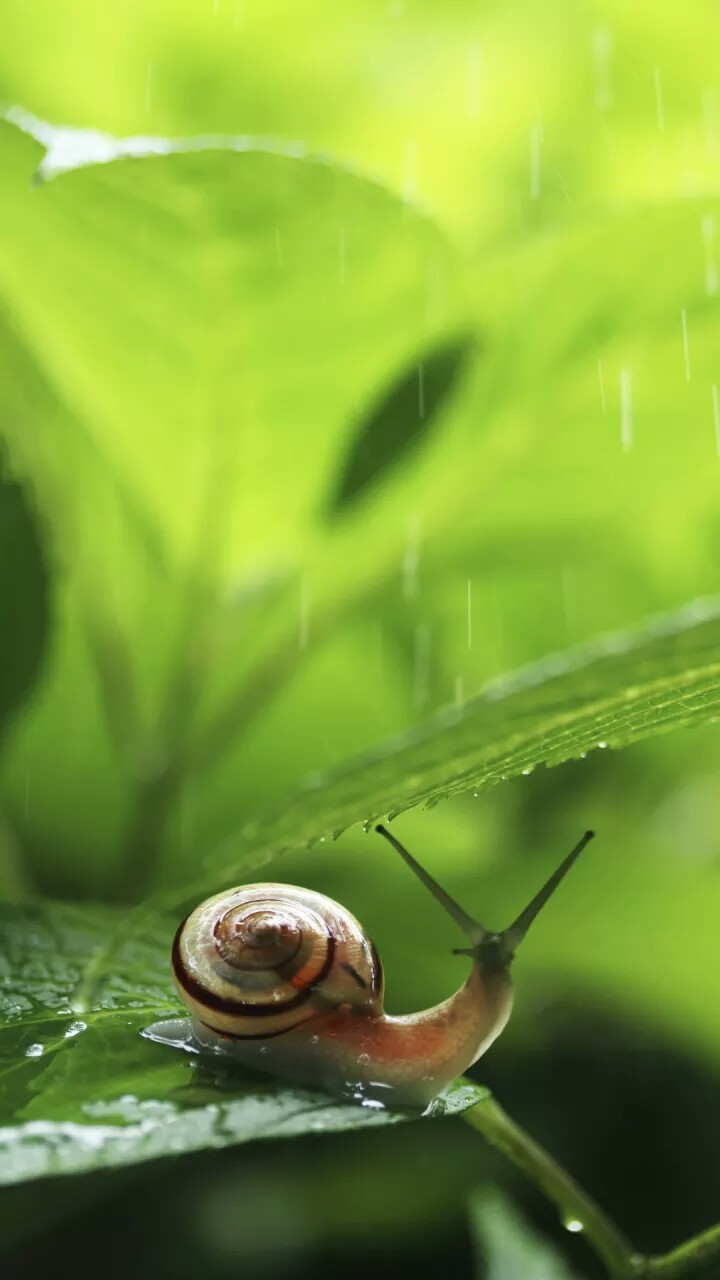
(693, 1258)
(573, 1203)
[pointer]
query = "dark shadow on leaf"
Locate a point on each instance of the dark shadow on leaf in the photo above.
(401, 420)
(24, 593)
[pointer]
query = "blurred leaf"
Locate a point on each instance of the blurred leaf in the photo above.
(619, 690)
(509, 1247)
(161, 439)
(24, 593)
(443, 102)
(81, 1089)
(226, 237)
(400, 421)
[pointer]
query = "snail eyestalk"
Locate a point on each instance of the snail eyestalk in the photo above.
(475, 932)
(493, 950)
(513, 936)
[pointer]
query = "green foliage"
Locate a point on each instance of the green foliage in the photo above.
(368, 358)
(511, 1248)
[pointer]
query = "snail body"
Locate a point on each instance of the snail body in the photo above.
(284, 979)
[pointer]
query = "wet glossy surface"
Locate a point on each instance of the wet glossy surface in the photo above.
(85, 1089)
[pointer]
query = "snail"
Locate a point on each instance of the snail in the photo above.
(285, 980)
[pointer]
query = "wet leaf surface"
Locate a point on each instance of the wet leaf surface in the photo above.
(612, 693)
(81, 1089)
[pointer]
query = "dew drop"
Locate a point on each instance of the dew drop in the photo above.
(367, 825)
(363, 1059)
(75, 1029)
(34, 1051)
(602, 745)
(573, 1224)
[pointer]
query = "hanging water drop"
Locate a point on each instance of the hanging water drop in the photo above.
(573, 1224)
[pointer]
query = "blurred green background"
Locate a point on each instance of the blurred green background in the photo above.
(305, 442)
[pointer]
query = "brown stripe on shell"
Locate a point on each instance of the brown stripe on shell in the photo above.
(355, 975)
(245, 1008)
(377, 969)
(255, 1035)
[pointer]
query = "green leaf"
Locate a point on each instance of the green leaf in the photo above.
(508, 1246)
(80, 1088)
(154, 400)
(619, 690)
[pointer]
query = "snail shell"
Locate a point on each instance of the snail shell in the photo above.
(258, 961)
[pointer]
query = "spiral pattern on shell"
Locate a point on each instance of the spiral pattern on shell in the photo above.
(259, 960)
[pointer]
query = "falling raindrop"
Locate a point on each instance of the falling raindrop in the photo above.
(601, 380)
(626, 424)
(709, 228)
(535, 147)
(278, 247)
(469, 613)
(601, 54)
(342, 254)
(567, 588)
(459, 691)
(421, 391)
(686, 347)
(304, 618)
(410, 170)
(659, 100)
(411, 558)
(474, 69)
(421, 668)
(716, 415)
(148, 85)
(709, 107)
